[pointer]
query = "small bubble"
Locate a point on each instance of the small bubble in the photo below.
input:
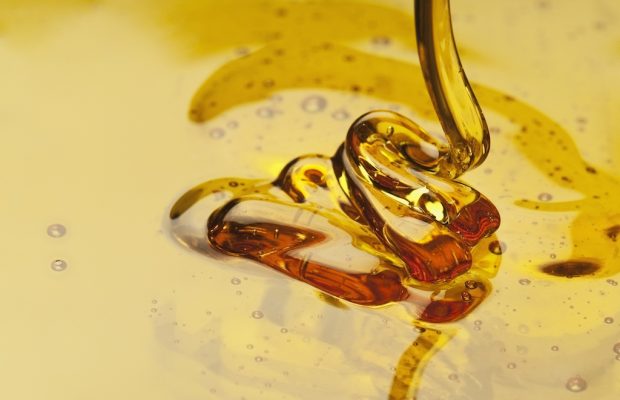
(265, 112)
(59, 265)
(258, 359)
(233, 184)
(340, 115)
(453, 377)
(153, 310)
(576, 384)
(497, 247)
(238, 292)
(257, 314)
(154, 301)
(521, 349)
(555, 348)
(235, 281)
(471, 284)
(466, 296)
(249, 346)
(56, 230)
(381, 40)
(313, 104)
(511, 365)
(283, 330)
(544, 197)
(477, 322)
(552, 256)
(232, 124)
(524, 281)
(612, 282)
(524, 328)
(617, 348)
(608, 320)
(217, 133)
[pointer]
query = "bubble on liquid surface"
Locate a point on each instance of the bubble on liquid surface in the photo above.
(313, 104)
(381, 40)
(59, 265)
(217, 133)
(340, 115)
(576, 384)
(257, 314)
(265, 112)
(497, 247)
(545, 197)
(56, 230)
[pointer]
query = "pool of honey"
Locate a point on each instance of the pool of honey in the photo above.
(112, 110)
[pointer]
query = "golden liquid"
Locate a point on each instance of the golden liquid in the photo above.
(95, 98)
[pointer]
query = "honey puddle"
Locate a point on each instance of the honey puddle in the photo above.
(96, 99)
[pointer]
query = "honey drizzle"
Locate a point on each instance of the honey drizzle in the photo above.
(390, 189)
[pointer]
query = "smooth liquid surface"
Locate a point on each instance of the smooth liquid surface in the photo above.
(109, 194)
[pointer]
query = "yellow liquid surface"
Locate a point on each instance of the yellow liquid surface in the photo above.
(102, 134)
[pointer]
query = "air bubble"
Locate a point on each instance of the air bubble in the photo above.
(545, 197)
(576, 384)
(381, 40)
(257, 314)
(617, 348)
(265, 112)
(555, 348)
(511, 365)
(235, 281)
(340, 115)
(497, 247)
(56, 230)
(283, 330)
(524, 281)
(217, 133)
(453, 377)
(258, 359)
(59, 265)
(608, 320)
(612, 282)
(471, 284)
(313, 104)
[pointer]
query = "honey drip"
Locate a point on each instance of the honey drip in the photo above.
(389, 192)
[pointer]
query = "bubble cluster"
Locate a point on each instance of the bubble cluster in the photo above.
(59, 265)
(56, 230)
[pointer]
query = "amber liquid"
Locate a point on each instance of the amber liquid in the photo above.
(388, 190)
